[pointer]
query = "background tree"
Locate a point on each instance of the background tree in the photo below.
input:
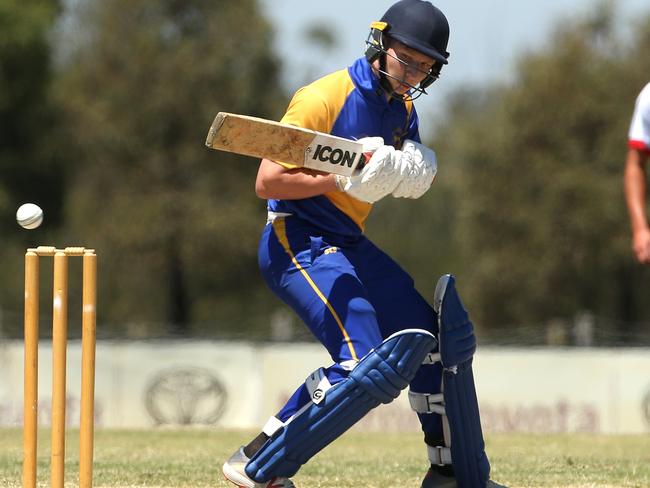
(537, 170)
(30, 167)
(176, 224)
(527, 208)
(26, 168)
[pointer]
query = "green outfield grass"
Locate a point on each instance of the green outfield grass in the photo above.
(192, 458)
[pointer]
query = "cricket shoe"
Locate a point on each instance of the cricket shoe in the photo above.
(234, 471)
(433, 479)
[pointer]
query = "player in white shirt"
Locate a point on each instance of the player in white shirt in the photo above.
(635, 175)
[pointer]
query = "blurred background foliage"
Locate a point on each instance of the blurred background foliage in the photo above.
(105, 106)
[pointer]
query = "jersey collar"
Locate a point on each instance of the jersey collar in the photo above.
(368, 84)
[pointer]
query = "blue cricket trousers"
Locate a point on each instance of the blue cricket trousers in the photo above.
(350, 294)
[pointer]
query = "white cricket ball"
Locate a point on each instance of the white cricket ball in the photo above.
(29, 215)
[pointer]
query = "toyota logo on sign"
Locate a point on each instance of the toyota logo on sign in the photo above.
(185, 396)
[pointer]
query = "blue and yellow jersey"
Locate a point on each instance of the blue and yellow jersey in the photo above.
(348, 103)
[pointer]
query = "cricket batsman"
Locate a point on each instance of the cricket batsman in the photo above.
(380, 333)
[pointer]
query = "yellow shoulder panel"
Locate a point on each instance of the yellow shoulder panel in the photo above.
(317, 105)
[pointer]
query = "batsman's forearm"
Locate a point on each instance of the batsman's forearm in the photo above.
(275, 181)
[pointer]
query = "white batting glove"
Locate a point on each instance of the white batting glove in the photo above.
(371, 144)
(378, 178)
(419, 166)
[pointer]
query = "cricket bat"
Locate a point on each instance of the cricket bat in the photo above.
(261, 138)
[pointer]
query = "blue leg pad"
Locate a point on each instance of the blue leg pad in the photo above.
(378, 378)
(457, 346)
(456, 332)
(471, 464)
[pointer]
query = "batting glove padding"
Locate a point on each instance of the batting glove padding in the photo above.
(371, 144)
(379, 177)
(419, 165)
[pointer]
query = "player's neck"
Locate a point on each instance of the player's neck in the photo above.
(389, 93)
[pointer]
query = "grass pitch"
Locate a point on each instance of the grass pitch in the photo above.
(193, 457)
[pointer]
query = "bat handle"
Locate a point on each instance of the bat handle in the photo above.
(364, 161)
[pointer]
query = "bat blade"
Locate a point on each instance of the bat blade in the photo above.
(261, 138)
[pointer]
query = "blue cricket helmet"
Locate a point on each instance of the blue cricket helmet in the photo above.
(419, 25)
